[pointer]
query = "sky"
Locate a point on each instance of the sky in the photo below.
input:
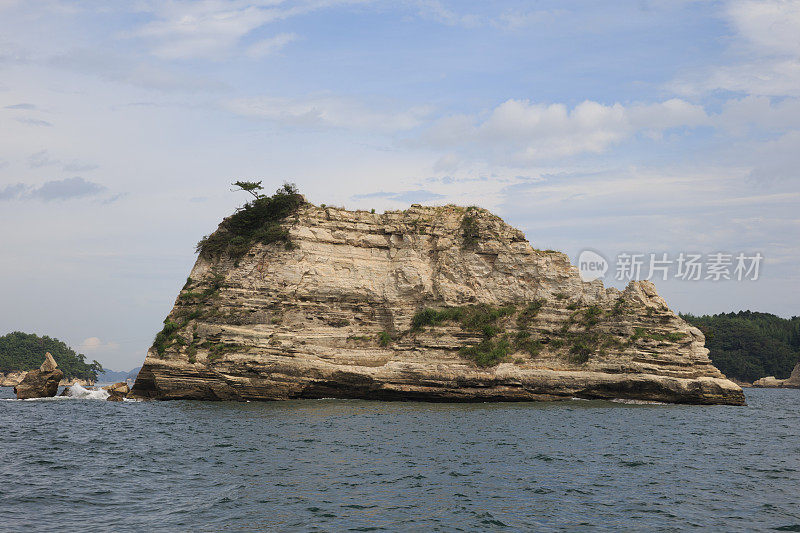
(642, 127)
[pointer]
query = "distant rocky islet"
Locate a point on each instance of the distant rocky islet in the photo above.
(44, 382)
(770, 382)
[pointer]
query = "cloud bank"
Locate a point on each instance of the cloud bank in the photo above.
(521, 131)
(65, 189)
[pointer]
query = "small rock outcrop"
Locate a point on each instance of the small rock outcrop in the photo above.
(770, 382)
(41, 383)
(431, 303)
(117, 392)
(76, 381)
(12, 379)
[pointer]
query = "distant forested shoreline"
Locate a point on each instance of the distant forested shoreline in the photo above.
(749, 345)
(25, 351)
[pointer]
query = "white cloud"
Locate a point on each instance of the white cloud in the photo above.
(329, 112)
(764, 136)
(766, 51)
(202, 29)
(25, 106)
(126, 69)
(66, 189)
(509, 19)
(34, 122)
(42, 159)
(521, 131)
(768, 76)
(777, 160)
(94, 344)
(771, 26)
(271, 45)
(739, 115)
(436, 10)
(445, 163)
(522, 20)
(215, 28)
(7, 4)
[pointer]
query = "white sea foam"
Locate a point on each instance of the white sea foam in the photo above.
(76, 392)
(636, 402)
(82, 393)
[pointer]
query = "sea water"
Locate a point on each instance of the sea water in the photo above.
(335, 465)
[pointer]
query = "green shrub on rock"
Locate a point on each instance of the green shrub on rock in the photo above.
(259, 220)
(384, 339)
(488, 352)
(470, 233)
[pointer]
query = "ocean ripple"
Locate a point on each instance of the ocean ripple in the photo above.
(333, 465)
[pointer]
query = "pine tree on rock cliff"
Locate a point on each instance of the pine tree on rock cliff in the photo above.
(250, 186)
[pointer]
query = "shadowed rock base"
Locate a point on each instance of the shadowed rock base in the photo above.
(276, 382)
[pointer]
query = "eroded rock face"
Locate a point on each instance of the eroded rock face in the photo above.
(793, 382)
(41, 383)
(334, 317)
(12, 379)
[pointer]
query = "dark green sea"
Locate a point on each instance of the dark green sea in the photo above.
(333, 465)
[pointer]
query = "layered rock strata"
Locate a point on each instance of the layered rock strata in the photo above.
(342, 313)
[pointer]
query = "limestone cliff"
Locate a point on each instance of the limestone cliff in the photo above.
(430, 303)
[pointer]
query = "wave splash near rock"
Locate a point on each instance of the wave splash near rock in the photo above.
(81, 393)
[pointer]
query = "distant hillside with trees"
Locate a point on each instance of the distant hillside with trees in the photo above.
(25, 351)
(749, 345)
(112, 376)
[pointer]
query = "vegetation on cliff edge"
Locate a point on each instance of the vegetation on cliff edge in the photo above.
(470, 234)
(589, 331)
(25, 351)
(193, 304)
(497, 343)
(258, 220)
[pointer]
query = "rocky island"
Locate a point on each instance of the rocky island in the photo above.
(293, 300)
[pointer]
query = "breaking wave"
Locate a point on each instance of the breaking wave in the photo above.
(82, 393)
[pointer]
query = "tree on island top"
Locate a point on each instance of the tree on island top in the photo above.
(250, 186)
